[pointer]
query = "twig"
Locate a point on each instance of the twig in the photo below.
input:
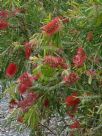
(48, 129)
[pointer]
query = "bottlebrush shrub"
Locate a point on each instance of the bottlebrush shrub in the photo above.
(53, 64)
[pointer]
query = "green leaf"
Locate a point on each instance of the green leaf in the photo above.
(47, 71)
(99, 20)
(31, 118)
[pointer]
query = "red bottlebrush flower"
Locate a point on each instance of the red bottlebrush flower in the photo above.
(80, 58)
(64, 66)
(81, 52)
(28, 49)
(22, 88)
(4, 14)
(62, 62)
(11, 70)
(26, 81)
(27, 53)
(72, 100)
(89, 36)
(71, 78)
(46, 103)
(76, 124)
(3, 24)
(55, 62)
(28, 101)
(20, 119)
(50, 60)
(26, 78)
(52, 27)
(78, 61)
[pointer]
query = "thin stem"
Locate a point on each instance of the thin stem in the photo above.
(48, 129)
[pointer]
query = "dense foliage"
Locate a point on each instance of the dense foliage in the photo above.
(51, 63)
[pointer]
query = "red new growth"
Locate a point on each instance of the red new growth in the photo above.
(90, 36)
(71, 78)
(20, 119)
(64, 19)
(37, 76)
(12, 103)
